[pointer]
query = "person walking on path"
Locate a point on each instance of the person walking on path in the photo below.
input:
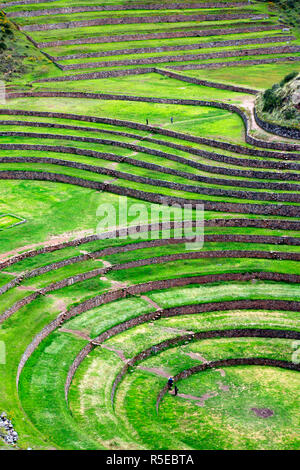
(175, 390)
(147, 122)
(172, 120)
(170, 383)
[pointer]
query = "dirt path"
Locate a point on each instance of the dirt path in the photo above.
(248, 102)
(30, 288)
(59, 304)
(54, 240)
(114, 284)
(176, 330)
(79, 333)
(119, 352)
(196, 356)
(10, 274)
(150, 302)
(156, 371)
(222, 372)
(222, 387)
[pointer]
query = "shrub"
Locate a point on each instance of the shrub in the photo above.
(288, 78)
(290, 114)
(271, 101)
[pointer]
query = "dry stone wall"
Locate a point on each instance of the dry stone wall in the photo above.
(265, 224)
(270, 209)
(189, 309)
(155, 130)
(202, 45)
(248, 28)
(227, 363)
(215, 65)
(157, 348)
(244, 194)
(141, 20)
(184, 57)
(289, 132)
(120, 7)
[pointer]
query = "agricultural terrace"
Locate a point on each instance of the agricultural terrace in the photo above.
(113, 103)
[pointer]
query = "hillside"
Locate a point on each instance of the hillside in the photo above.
(290, 10)
(20, 62)
(281, 103)
(149, 226)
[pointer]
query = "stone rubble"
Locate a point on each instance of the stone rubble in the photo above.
(7, 432)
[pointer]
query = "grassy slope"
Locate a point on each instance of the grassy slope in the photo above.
(54, 209)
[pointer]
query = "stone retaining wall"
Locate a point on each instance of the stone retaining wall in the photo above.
(154, 285)
(24, 2)
(128, 6)
(163, 169)
(158, 348)
(264, 224)
(215, 65)
(134, 125)
(289, 132)
(182, 47)
(248, 208)
(140, 71)
(208, 168)
(133, 290)
(229, 238)
(164, 35)
(166, 170)
(244, 194)
(183, 58)
(227, 363)
(141, 20)
(150, 151)
(122, 293)
(197, 81)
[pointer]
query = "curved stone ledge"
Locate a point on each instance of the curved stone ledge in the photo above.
(227, 363)
(264, 224)
(289, 132)
(162, 169)
(249, 28)
(171, 343)
(128, 6)
(197, 81)
(142, 164)
(249, 139)
(184, 57)
(141, 71)
(245, 194)
(248, 208)
(249, 173)
(194, 177)
(293, 241)
(143, 262)
(182, 47)
(146, 287)
(23, 2)
(141, 20)
(156, 130)
(215, 65)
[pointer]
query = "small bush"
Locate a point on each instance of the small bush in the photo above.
(288, 78)
(271, 101)
(290, 114)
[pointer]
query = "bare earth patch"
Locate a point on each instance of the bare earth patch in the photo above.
(263, 412)
(53, 240)
(79, 333)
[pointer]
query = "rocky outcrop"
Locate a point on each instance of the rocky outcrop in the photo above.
(7, 432)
